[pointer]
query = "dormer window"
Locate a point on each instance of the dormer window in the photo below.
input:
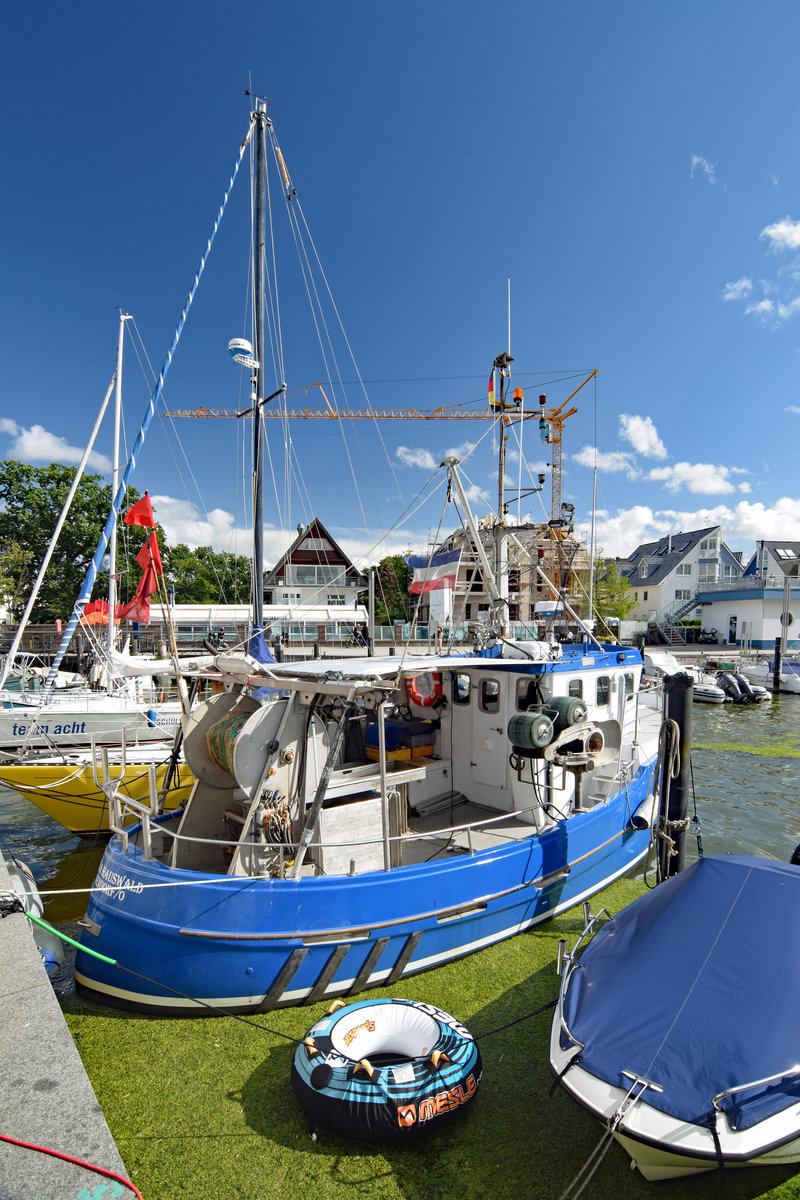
(643, 570)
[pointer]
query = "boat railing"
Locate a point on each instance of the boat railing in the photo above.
(146, 816)
(789, 1073)
(568, 964)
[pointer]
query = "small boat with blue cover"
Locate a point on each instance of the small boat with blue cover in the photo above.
(703, 1071)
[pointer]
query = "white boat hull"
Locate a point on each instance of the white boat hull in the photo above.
(75, 720)
(662, 1147)
(762, 674)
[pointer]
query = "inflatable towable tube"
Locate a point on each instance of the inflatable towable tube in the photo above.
(385, 1070)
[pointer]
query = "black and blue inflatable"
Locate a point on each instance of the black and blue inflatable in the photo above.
(385, 1070)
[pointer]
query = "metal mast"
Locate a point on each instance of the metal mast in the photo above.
(259, 250)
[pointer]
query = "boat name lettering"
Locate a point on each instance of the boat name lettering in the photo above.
(444, 1018)
(351, 1033)
(433, 1106)
(58, 730)
(110, 882)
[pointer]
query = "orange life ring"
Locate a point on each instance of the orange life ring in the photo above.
(425, 689)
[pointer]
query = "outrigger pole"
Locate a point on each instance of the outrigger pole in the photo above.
(155, 396)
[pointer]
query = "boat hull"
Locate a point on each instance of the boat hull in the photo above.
(76, 721)
(763, 675)
(243, 944)
(67, 793)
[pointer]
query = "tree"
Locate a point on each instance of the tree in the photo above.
(613, 595)
(31, 499)
(206, 576)
(14, 574)
(391, 590)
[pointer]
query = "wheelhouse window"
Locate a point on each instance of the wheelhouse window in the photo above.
(575, 688)
(628, 683)
(527, 695)
(461, 688)
(603, 692)
(490, 695)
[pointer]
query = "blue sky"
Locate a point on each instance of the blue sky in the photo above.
(632, 168)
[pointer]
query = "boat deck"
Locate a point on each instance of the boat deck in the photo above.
(443, 836)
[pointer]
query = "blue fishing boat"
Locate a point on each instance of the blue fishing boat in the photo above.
(356, 821)
(302, 868)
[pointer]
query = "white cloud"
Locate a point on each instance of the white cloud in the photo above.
(38, 445)
(642, 435)
(789, 310)
(609, 460)
(705, 478)
(416, 458)
(620, 534)
(782, 235)
(742, 526)
(792, 408)
(461, 452)
(738, 290)
(745, 487)
(762, 309)
(183, 523)
(708, 168)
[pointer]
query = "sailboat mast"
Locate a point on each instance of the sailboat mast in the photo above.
(112, 544)
(259, 250)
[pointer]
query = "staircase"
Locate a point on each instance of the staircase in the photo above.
(668, 621)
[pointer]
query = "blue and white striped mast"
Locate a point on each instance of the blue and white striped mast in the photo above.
(155, 397)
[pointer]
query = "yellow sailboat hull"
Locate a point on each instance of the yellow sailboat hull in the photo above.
(65, 790)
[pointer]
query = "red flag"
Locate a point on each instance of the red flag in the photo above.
(140, 513)
(149, 555)
(138, 609)
(149, 559)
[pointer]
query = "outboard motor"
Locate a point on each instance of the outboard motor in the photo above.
(730, 687)
(745, 688)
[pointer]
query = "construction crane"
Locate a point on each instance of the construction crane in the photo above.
(551, 422)
(551, 429)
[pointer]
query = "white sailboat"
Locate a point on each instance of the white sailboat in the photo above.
(128, 703)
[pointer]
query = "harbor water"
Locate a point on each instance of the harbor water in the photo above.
(745, 769)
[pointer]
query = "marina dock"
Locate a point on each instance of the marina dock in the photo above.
(48, 1099)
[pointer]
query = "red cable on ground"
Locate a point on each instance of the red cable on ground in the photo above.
(78, 1162)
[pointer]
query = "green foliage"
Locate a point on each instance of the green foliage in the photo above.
(14, 574)
(391, 590)
(31, 499)
(613, 595)
(206, 576)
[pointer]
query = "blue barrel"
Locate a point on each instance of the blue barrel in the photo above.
(392, 732)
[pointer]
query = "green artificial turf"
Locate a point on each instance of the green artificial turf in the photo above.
(204, 1110)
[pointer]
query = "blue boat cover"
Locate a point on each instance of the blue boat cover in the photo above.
(696, 987)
